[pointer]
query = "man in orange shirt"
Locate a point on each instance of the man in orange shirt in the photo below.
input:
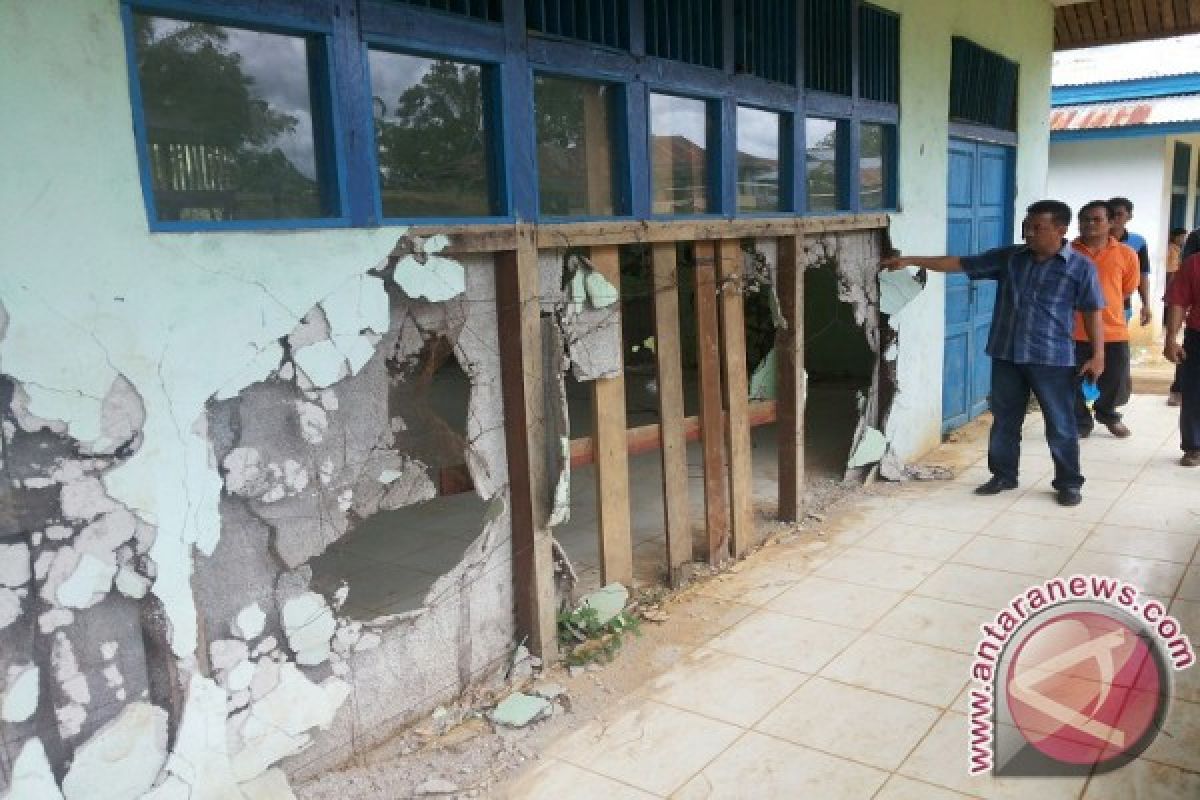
(1118, 272)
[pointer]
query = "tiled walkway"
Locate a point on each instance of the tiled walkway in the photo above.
(845, 674)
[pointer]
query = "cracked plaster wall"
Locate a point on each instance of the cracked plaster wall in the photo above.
(118, 339)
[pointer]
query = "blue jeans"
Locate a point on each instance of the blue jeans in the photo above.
(1055, 389)
(1189, 384)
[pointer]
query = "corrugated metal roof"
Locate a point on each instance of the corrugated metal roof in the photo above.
(1151, 111)
(1122, 62)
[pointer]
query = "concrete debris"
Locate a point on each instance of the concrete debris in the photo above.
(32, 778)
(277, 725)
(928, 472)
(122, 759)
(608, 602)
(655, 615)
(14, 565)
(519, 709)
(309, 625)
(870, 448)
(271, 785)
(20, 693)
(436, 787)
(522, 665)
(549, 691)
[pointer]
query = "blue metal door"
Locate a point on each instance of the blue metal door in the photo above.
(979, 199)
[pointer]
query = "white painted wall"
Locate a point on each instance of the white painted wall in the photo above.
(1021, 30)
(1137, 168)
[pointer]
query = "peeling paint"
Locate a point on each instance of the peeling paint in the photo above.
(122, 759)
(20, 693)
(309, 625)
(869, 449)
(32, 778)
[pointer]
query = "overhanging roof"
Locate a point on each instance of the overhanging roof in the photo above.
(1096, 22)
(1156, 116)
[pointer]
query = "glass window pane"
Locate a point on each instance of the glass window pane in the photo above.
(823, 163)
(757, 160)
(875, 166)
(679, 154)
(431, 136)
(574, 148)
(229, 123)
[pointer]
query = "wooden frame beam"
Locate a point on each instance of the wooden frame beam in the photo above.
(669, 361)
(612, 458)
(519, 327)
(736, 386)
(716, 507)
(791, 390)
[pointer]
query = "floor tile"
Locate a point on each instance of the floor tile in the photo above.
(1142, 543)
(879, 569)
(1040, 529)
(915, 540)
(941, 759)
(759, 767)
(1092, 509)
(938, 623)
(755, 585)
(651, 746)
(1178, 743)
(1158, 578)
(1138, 514)
(964, 517)
(986, 588)
(830, 717)
(785, 641)
(554, 780)
(722, 686)
(1190, 588)
(1104, 487)
(1177, 497)
(838, 602)
(1144, 780)
(1027, 558)
(899, 787)
(909, 670)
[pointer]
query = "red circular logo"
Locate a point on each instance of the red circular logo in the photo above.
(1084, 688)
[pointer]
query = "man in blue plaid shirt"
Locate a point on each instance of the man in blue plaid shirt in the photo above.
(1041, 284)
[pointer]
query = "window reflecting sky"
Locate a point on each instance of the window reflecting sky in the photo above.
(679, 116)
(758, 132)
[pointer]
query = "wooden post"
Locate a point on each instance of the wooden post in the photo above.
(716, 521)
(791, 390)
(612, 458)
(737, 396)
(669, 359)
(518, 307)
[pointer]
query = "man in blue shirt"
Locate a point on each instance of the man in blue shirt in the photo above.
(1041, 285)
(1122, 214)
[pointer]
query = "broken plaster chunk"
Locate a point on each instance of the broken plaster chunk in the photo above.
(265, 646)
(239, 678)
(309, 624)
(200, 756)
(10, 607)
(70, 719)
(600, 293)
(244, 474)
(54, 619)
(314, 422)
(87, 584)
(58, 532)
(131, 583)
(271, 785)
(870, 449)
(249, 622)
(323, 363)
(86, 499)
(14, 565)
(608, 602)
(113, 677)
(277, 725)
(227, 653)
(763, 383)
(32, 778)
(122, 759)
(122, 416)
(108, 650)
(438, 279)
(20, 693)
(897, 289)
(519, 709)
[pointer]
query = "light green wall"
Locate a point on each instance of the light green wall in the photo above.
(91, 293)
(1021, 30)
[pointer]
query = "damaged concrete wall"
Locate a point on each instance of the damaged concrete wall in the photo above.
(135, 495)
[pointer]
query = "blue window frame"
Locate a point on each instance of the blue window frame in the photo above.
(728, 55)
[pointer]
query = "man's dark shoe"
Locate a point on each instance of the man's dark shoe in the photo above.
(1191, 458)
(995, 486)
(1069, 497)
(1118, 429)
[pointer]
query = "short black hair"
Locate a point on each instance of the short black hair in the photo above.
(1178, 232)
(1060, 211)
(1121, 202)
(1094, 204)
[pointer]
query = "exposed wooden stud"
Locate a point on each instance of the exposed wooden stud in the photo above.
(716, 523)
(669, 359)
(791, 388)
(736, 383)
(1167, 8)
(1193, 13)
(612, 459)
(519, 327)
